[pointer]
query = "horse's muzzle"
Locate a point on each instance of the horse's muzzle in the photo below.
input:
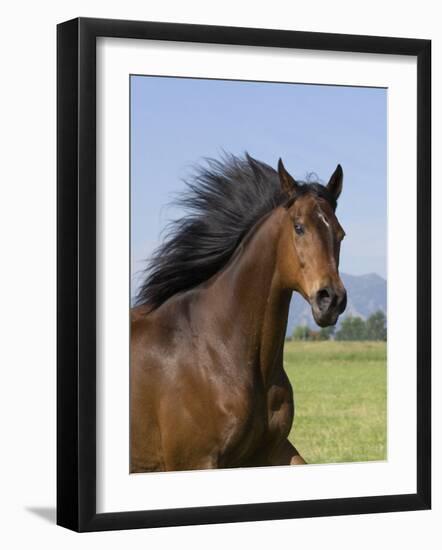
(327, 304)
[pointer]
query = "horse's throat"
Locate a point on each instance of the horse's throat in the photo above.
(274, 327)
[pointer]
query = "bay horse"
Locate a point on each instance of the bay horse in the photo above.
(208, 386)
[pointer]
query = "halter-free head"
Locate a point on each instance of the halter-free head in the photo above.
(311, 244)
(225, 201)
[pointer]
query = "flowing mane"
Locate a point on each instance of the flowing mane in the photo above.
(223, 202)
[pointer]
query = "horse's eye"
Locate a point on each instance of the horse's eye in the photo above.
(299, 229)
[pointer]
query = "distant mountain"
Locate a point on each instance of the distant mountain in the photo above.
(365, 295)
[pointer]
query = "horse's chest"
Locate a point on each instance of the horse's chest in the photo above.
(280, 412)
(261, 420)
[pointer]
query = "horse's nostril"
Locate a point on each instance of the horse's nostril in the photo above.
(324, 298)
(323, 294)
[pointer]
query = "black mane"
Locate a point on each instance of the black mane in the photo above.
(224, 200)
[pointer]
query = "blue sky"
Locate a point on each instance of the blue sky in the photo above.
(176, 122)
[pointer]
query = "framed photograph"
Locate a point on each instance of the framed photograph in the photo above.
(243, 274)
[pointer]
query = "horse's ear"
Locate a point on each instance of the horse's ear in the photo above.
(288, 184)
(334, 186)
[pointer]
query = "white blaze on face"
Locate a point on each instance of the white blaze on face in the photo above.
(322, 217)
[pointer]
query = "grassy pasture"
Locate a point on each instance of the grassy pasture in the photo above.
(340, 398)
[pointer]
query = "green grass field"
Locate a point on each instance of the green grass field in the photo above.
(340, 398)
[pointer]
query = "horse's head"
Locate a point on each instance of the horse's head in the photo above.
(310, 245)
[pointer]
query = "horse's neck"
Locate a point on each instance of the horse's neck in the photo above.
(251, 299)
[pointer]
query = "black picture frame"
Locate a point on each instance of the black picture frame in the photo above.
(76, 273)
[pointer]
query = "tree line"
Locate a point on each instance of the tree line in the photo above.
(351, 328)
